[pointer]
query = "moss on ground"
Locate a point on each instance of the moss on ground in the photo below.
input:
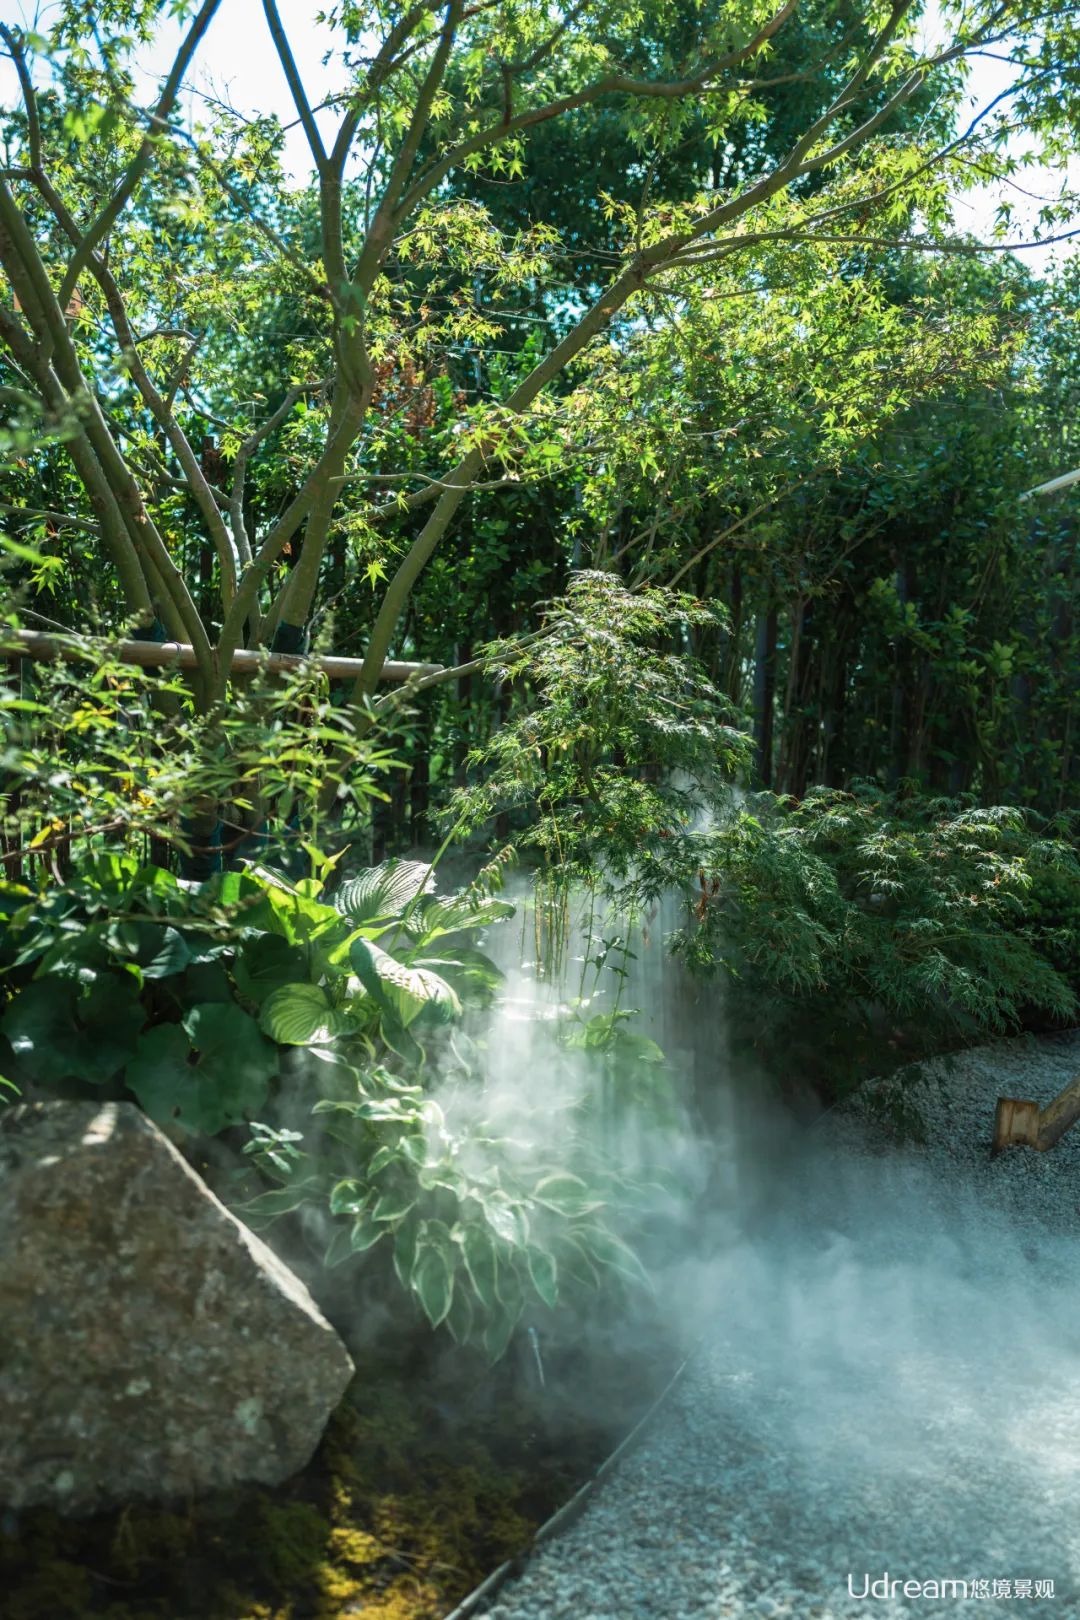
(420, 1487)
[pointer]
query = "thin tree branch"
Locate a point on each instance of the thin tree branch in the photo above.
(295, 83)
(141, 161)
(710, 253)
(614, 84)
(22, 260)
(119, 542)
(718, 539)
(26, 84)
(243, 456)
(66, 520)
(160, 408)
(386, 214)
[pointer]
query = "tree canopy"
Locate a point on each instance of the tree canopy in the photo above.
(244, 397)
(640, 293)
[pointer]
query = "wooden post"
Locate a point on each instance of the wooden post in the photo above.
(1016, 1124)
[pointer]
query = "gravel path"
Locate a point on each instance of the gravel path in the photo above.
(888, 1380)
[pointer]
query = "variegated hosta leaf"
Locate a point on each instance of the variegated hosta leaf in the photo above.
(433, 1282)
(481, 1263)
(544, 1272)
(268, 1206)
(508, 1221)
(607, 1250)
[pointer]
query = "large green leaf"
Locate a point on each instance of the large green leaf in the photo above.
(334, 1077)
(372, 1108)
(399, 1040)
(228, 1038)
(169, 1087)
(565, 1194)
(393, 1204)
(158, 950)
(268, 963)
(64, 946)
(111, 1016)
(404, 991)
(405, 1241)
(436, 916)
(507, 1221)
(577, 1263)
(300, 1015)
(339, 1248)
(498, 1333)
(461, 1317)
(348, 1197)
(14, 897)
(605, 1249)
(357, 1238)
(383, 892)
(62, 1030)
(366, 1232)
(544, 1272)
(205, 981)
(40, 1025)
(296, 917)
(268, 1206)
(209, 1073)
(468, 970)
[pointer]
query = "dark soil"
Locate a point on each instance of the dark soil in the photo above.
(434, 1470)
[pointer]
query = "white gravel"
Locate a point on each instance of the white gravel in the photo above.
(887, 1380)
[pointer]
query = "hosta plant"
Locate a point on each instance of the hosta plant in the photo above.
(479, 1225)
(336, 1029)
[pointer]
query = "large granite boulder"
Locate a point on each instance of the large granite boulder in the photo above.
(150, 1345)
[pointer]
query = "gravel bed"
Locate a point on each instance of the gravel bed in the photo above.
(886, 1379)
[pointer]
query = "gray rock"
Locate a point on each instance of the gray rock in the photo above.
(151, 1346)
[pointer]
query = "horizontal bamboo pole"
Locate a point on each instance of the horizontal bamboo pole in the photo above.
(1052, 485)
(37, 645)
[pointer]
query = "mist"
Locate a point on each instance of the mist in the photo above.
(883, 1340)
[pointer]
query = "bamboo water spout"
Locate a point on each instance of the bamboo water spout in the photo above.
(1025, 1124)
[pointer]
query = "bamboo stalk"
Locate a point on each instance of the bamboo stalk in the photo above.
(1051, 487)
(35, 644)
(1059, 1116)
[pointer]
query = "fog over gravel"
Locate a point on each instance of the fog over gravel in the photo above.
(887, 1379)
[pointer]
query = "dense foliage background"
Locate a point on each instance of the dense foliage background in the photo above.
(625, 372)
